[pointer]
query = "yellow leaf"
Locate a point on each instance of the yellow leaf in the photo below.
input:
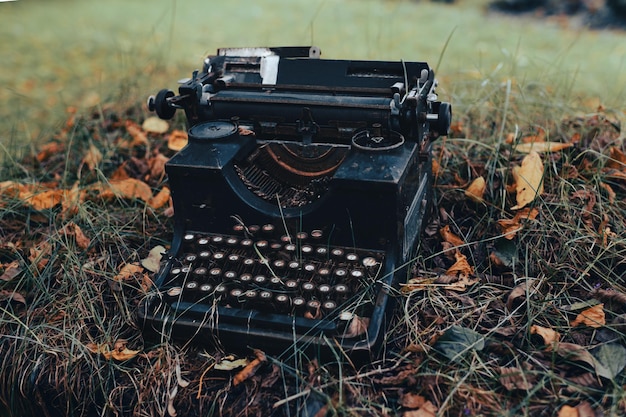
(153, 261)
(119, 353)
(542, 147)
(529, 180)
(132, 188)
(155, 125)
(549, 336)
(92, 158)
(161, 199)
(476, 190)
(592, 317)
(44, 200)
(567, 411)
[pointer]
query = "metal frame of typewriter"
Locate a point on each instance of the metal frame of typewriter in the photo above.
(345, 146)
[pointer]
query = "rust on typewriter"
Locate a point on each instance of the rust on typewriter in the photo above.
(299, 199)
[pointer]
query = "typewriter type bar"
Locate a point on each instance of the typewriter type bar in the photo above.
(298, 200)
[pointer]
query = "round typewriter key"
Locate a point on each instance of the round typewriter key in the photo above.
(268, 228)
(356, 274)
(205, 255)
(220, 290)
(260, 280)
(323, 273)
(185, 270)
(279, 264)
(317, 234)
(369, 262)
(203, 242)
(190, 258)
(200, 273)
(276, 246)
(291, 285)
(233, 257)
(324, 290)
(341, 292)
(299, 304)
(230, 275)
(294, 265)
(266, 296)
(235, 296)
(245, 278)
(302, 235)
(337, 253)
(248, 263)
(275, 282)
(306, 250)
(218, 256)
(239, 228)
(313, 307)
(309, 268)
(283, 303)
(215, 273)
(340, 273)
(191, 287)
(308, 289)
(218, 240)
(232, 241)
(290, 247)
(189, 238)
(247, 243)
(174, 292)
(206, 290)
(175, 272)
(321, 252)
(251, 296)
(262, 244)
(352, 257)
(329, 306)
(254, 228)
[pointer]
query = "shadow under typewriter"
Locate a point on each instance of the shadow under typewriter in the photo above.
(298, 200)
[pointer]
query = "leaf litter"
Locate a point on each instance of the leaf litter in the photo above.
(476, 336)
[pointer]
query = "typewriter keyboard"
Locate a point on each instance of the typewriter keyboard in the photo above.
(258, 276)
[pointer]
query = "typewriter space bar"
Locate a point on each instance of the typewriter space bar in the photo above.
(255, 318)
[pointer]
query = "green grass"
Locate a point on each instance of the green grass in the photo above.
(502, 75)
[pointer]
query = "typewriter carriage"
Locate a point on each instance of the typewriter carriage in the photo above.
(279, 136)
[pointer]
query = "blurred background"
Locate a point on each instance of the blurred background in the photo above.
(62, 54)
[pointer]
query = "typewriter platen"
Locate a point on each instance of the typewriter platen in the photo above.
(298, 200)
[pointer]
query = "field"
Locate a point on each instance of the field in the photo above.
(516, 305)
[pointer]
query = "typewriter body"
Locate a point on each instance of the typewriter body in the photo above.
(298, 200)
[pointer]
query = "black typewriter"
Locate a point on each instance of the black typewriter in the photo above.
(298, 200)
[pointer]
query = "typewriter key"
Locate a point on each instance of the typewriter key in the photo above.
(217, 240)
(262, 245)
(239, 228)
(219, 256)
(233, 258)
(206, 290)
(369, 262)
(306, 250)
(337, 253)
(299, 304)
(356, 274)
(290, 247)
(268, 228)
(276, 246)
(265, 297)
(173, 293)
(203, 242)
(275, 283)
(291, 285)
(352, 257)
(191, 290)
(246, 243)
(189, 239)
(190, 258)
(324, 291)
(340, 273)
(302, 236)
(254, 228)
(279, 264)
(251, 296)
(230, 275)
(341, 292)
(323, 272)
(321, 252)
(174, 272)
(220, 290)
(294, 265)
(185, 270)
(260, 280)
(309, 268)
(313, 307)
(200, 273)
(329, 306)
(215, 273)
(317, 234)
(283, 303)
(232, 241)
(235, 296)
(204, 256)
(308, 289)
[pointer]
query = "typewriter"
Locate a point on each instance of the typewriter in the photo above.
(298, 199)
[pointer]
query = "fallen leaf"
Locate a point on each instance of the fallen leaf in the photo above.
(138, 135)
(427, 410)
(230, 364)
(160, 199)
(153, 261)
(131, 188)
(549, 336)
(457, 341)
(250, 369)
(128, 272)
(358, 326)
(72, 229)
(617, 159)
(515, 378)
(461, 266)
(511, 227)
(11, 270)
(476, 190)
(157, 167)
(45, 200)
(450, 237)
(177, 140)
(542, 147)
(48, 150)
(120, 353)
(92, 158)
(611, 360)
(572, 352)
(567, 411)
(592, 317)
(12, 295)
(528, 180)
(410, 400)
(155, 125)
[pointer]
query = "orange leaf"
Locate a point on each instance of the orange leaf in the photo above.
(567, 411)
(450, 237)
(461, 266)
(92, 158)
(161, 199)
(592, 317)
(48, 150)
(428, 409)
(11, 270)
(120, 353)
(45, 200)
(511, 227)
(542, 147)
(476, 190)
(250, 369)
(138, 135)
(528, 179)
(127, 272)
(72, 229)
(132, 188)
(157, 167)
(617, 159)
(549, 336)
(177, 140)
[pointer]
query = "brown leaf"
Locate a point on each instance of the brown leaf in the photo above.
(617, 159)
(121, 353)
(48, 150)
(11, 270)
(609, 296)
(44, 200)
(411, 400)
(567, 411)
(450, 237)
(12, 295)
(461, 266)
(138, 135)
(511, 227)
(177, 140)
(572, 352)
(542, 147)
(426, 410)
(549, 336)
(157, 167)
(514, 378)
(92, 158)
(131, 188)
(476, 190)
(592, 317)
(517, 295)
(72, 229)
(358, 326)
(528, 180)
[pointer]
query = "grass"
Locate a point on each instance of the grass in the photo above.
(502, 76)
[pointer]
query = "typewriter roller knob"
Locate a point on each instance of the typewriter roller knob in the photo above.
(161, 105)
